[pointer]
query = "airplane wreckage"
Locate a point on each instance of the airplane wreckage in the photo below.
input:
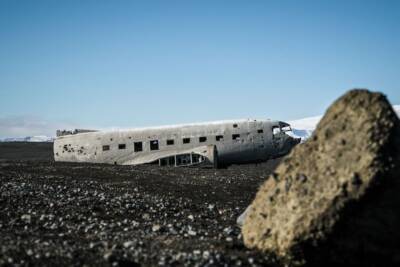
(214, 143)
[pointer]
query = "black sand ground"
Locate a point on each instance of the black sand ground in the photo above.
(91, 214)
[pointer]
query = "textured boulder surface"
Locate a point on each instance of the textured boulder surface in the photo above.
(336, 198)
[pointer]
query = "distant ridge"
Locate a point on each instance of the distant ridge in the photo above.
(302, 128)
(36, 138)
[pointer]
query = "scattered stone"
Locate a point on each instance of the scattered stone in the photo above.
(107, 255)
(206, 254)
(26, 218)
(127, 244)
(156, 228)
(228, 230)
(192, 233)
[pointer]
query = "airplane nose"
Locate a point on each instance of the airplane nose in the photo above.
(294, 141)
(288, 145)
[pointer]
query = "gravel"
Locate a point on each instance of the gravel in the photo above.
(91, 214)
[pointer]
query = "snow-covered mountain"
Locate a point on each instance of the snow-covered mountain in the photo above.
(36, 138)
(303, 128)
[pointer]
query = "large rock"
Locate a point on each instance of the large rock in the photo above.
(336, 198)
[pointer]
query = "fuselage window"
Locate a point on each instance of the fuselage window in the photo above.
(121, 146)
(260, 131)
(186, 140)
(138, 146)
(219, 138)
(235, 136)
(154, 145)
(202, 139)
(170, 142)
(106, 148)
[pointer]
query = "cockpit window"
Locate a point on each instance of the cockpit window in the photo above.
(275, 130)
(286, 129)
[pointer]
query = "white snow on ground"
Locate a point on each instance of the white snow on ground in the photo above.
(303, 128)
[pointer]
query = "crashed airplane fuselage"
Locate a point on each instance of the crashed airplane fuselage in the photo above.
(217, 143)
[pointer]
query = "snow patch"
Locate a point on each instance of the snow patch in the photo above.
(303, 128)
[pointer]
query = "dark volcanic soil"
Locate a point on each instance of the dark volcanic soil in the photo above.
(92, 214)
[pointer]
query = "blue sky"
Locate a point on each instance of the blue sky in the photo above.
(138, 63)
